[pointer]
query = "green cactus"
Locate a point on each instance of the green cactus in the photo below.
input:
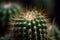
(30, 29)
(7, 10)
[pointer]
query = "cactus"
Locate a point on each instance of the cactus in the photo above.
(30, 27)
(7, 10)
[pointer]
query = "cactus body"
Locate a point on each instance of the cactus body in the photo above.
(33, 29)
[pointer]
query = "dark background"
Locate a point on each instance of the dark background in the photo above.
(56, 13)
(45, 5)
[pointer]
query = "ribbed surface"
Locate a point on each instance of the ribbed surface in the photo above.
(30, 30)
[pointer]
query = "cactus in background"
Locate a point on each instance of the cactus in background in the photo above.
(7, 10)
